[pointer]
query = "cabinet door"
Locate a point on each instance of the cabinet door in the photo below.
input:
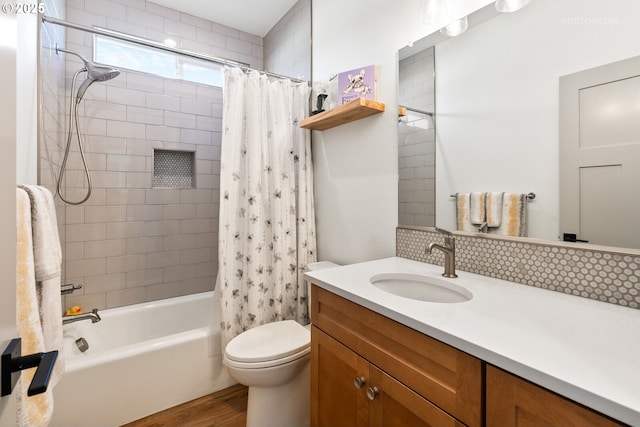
(514, 402)
(395, 405)
(336, 401)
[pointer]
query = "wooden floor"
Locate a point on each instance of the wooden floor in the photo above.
(225, 408)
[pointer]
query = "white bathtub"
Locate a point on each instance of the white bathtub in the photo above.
(141, 359)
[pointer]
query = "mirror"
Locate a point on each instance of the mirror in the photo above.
(497, 98)
(416, 139)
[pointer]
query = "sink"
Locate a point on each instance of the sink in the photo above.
(422, 288)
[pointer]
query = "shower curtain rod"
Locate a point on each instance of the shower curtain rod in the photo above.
(151, 43)
(415, 110)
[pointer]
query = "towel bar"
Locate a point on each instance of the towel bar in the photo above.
(69, 288)
(530, 196)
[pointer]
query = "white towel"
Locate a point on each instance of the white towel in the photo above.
(477, 210)
(514, 216)
(34, 410)
(47, 256)
(494, 209)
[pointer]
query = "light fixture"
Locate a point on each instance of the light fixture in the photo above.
(508, 6)
(455, 28)
(434, 12)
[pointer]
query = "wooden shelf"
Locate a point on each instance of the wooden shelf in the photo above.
(342, 114)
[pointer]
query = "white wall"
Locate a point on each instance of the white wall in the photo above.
(356, 165)
(8, 78)
(27, 101)
(497, 98)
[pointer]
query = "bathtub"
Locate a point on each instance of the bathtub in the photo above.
(141, 359)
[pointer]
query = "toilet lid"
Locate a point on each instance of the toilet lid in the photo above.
(269, 342)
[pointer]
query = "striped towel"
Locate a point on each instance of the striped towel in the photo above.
(477, 209)
(514, 216)
(463, 213)
(494, 209)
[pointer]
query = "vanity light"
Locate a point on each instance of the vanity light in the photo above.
(434, 11)
(456, 27)
(507, 6)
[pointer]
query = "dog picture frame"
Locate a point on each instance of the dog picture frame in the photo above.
(357, 83)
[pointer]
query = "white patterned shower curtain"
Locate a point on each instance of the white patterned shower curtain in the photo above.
(267, 223)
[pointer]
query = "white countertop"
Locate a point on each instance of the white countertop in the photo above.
(586, 350)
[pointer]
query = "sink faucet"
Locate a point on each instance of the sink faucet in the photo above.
(94, 316)
(449, 250)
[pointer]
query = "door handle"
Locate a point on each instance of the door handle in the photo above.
(13, 362)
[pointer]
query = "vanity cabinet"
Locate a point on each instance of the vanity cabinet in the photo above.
(513, 401)
(368, 370)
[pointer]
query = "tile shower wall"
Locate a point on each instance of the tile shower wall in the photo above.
(131, 242)
(598, 274)
(52, 114)
(287, 46)
(416, 145)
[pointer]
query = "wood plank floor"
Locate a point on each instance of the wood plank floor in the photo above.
(225, 408)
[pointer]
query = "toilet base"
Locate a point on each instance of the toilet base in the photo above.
(282, 406)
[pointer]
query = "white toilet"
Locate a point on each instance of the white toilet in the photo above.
(273, 360)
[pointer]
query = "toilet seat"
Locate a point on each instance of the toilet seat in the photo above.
(268, 345)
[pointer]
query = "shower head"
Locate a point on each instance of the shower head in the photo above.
(95, 72)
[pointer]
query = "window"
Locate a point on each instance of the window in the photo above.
(136, 57)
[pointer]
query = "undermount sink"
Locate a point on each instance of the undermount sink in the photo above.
(422, 288)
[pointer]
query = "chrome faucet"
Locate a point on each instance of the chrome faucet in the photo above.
(94, 316)
(449, 250)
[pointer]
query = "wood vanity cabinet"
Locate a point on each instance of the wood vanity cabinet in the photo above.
(368, 370)
(513, 401)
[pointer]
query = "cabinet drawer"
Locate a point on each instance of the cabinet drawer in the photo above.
(440, 373)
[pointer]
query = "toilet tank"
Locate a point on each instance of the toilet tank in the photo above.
(315, 266)
(320, 265)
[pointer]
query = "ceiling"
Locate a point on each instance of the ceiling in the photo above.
(256, 17)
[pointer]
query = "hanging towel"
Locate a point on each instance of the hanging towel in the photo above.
(514, 216)
(47, 257)
(463, 212)
(34, 410)
(477, 210)
(494, 209)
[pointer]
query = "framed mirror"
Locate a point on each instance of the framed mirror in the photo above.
(497, 99)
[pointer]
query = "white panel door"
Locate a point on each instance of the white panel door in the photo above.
(8, 331)
(600, 154)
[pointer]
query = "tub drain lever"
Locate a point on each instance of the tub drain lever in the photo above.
(13, 362)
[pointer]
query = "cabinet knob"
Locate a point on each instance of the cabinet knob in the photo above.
(358, 382)
(372, 392)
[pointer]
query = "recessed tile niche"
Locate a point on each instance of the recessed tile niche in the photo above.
(173, 169)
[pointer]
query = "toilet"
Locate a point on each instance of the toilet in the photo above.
(273, 360)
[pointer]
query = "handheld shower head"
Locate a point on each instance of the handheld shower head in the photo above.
(95, 72)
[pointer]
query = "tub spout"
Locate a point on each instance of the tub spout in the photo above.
(94, 316)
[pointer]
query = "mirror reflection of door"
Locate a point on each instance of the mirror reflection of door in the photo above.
(416, 139)
(600, 154)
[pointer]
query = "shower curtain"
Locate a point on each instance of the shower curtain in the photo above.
(267, 222)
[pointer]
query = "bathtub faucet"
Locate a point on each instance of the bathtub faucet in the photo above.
(94, 316)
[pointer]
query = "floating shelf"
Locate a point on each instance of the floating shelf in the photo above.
(342, 114)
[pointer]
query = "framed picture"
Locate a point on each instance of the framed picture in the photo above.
(357, 83)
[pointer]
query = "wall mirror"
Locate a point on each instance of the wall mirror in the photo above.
(497, 104)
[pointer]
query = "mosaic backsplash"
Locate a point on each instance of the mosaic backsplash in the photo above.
(597, 274)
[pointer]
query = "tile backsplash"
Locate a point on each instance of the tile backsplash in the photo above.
(598, 273)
